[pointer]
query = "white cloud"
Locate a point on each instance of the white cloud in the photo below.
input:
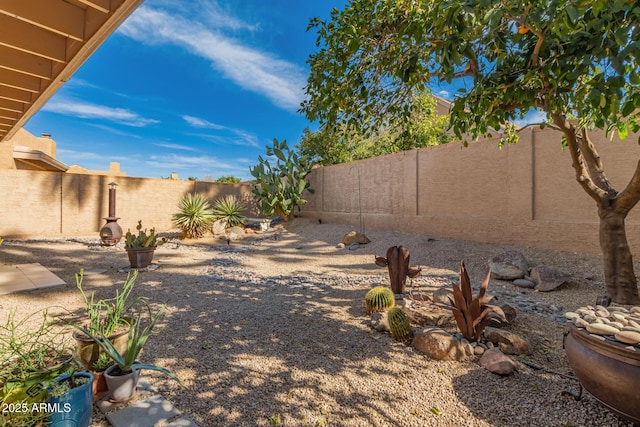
(175, 162)
(201, 123)
(282, 82)
(172, 146)
(87, 110)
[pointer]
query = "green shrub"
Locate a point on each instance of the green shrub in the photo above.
(195, 216)
(228, 209)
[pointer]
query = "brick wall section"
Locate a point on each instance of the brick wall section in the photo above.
(51, 204)
(523, 194)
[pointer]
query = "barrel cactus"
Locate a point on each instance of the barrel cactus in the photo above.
(399, 324)
(379, 298)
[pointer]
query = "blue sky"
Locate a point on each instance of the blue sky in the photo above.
(193, 87)
(196, 87)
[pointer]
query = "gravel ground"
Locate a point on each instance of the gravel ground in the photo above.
(273, 326)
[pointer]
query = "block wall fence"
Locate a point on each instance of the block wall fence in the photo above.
(524, 194)
(51, 204)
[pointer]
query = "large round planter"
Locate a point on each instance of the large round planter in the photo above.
(121, 387)
(74, 408)
(140, 257)
(607, 369)
(89, 351)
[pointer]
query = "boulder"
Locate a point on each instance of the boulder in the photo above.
(219, 227)
(508, 342)
(235, 233)
(548, 278)
(497, 362)
(355, 237)
(524, 283)
(426, 314)
(509, 265)
(440, 345)
(379, 321)
(441, 296)
(497, 321)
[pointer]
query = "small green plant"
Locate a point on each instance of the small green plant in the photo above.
(379, 298)
(195, 216)
(33, 354)
(228, 209)
(275, 420)
(60, 388)
(137, 338)
(278, 189)
(399, 324)
(228, 180)
(144, 238)
(103, 362)
(107, 315)
(471, 311)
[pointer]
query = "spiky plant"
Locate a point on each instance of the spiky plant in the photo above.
(195, 216)
(229, 209)
(471, 311)
(379, 298)
(399, 324)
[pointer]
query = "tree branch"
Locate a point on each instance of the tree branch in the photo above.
(594, 163)
(629, 197)
(578, 162)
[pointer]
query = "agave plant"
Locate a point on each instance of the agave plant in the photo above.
(379, 298)
(228, 209)
(195, 216)
(399, 324)
(471, 312)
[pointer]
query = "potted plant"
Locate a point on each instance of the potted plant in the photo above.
(33, 354)
(100, 388)
(109, 317)
(70, 400)
(140, 247)
(122, 377)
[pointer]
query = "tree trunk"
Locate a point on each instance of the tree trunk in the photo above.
(620, 279)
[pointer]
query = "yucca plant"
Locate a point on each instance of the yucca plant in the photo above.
(229, 209)
(379, 298)
(195, 216)
(399, 324)
(471, 311)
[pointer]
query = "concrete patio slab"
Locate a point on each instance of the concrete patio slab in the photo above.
(150, 412)
(26, 277)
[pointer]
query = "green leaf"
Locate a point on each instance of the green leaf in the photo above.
(572, 13)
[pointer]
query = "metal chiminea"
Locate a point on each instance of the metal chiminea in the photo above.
(111, 232)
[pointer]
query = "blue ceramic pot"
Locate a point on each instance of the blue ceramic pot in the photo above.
(74, 408)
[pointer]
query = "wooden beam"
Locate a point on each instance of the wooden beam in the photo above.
(13, 94)
(7, 122)
(24, 63)
(53, 15)
(102, 5)
(5, 125)
(4, 114)
(19, 81)
(25, 37)
(14, 106)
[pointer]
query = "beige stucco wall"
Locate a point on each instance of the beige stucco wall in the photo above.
(26, 139)
(524, 194)
(52, 204)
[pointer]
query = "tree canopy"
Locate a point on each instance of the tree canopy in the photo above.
(342, 143)
(575, 60)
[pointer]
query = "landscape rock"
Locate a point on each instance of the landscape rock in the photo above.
(440, 345)
(235, 233)
(354, 246)
(441, 296)
(219, 227)
(508, 342)
(380, 322)
(497, 362)
(429, 315)
(548, 278)
(496, 321)
(524, 283)
(509, 265)
(355, 237)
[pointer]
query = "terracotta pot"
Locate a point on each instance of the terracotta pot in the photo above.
(89, 350)
(99, 388)
(121, 387)
(140, 257)
(607, 369)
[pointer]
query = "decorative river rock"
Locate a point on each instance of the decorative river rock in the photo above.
(619, 323)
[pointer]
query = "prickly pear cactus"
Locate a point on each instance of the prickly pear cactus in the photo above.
(399, 324)
(379, 298)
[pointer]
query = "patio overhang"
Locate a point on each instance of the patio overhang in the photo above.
(42, 43)
(37, 160)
